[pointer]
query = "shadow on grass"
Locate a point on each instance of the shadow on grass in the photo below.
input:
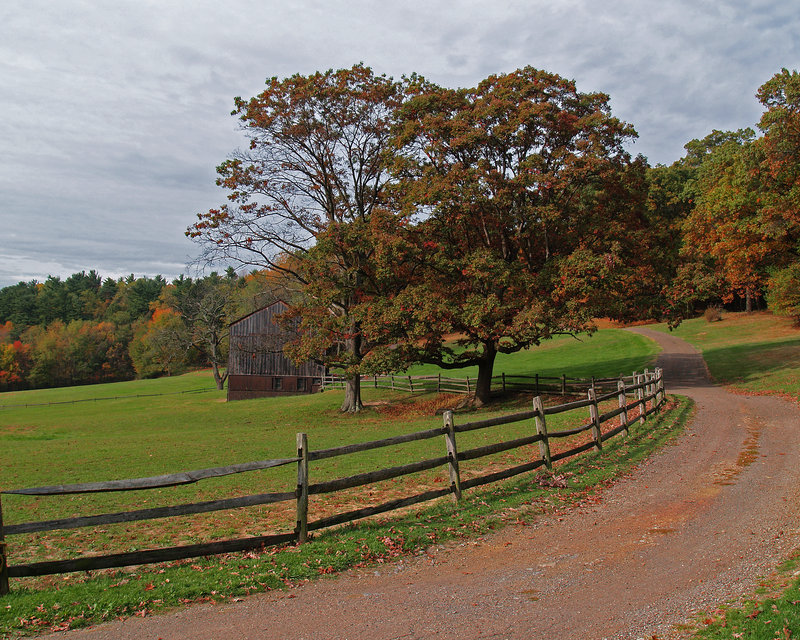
(751, 362)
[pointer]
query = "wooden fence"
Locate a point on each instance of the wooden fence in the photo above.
(562, 385)
(638, 396)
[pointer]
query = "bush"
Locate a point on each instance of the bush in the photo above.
(713, 313)
(783, 292)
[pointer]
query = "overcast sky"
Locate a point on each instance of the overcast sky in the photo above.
(115, 113)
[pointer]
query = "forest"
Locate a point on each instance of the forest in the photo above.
(393, 215)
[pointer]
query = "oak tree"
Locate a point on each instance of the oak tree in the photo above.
(529, 218)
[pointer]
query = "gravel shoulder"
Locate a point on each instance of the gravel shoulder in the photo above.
(695, 525)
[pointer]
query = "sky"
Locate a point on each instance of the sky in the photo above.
(115, 113)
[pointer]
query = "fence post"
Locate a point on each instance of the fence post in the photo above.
(640, 397)
(541, 429)
(375, 380)
(536, 391)
(302, 488)
(660, 386)
(410, 384)
(439, 384)
(4, 588)
(563, 384)
(392, 382)
(623, 404)
(468, 389)
(594, 414)
(504, 381)
(452, 455)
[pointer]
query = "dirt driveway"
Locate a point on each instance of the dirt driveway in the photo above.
(693, 526)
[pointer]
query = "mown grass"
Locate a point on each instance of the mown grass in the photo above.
(88, 599)
(607, 353)
(143, 436)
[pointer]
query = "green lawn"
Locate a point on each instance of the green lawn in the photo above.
(141, 433)
(607, 353)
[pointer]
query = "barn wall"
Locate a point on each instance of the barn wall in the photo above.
(256, 358)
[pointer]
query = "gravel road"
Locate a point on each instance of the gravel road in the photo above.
(695, 525)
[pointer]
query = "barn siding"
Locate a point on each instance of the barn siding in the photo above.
(256, 358)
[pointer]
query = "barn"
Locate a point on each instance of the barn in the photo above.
(257, 366)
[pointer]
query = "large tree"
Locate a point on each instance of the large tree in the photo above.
(530, 218)
(724, 235)
(315, 165)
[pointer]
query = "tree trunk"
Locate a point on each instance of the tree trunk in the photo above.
(352, 395)
(748, 302)
(352, 392)
(483, 387)
(219, 378)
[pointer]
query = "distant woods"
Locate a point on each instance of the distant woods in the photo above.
(86, 329)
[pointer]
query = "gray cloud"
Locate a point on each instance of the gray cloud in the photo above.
(114, 115)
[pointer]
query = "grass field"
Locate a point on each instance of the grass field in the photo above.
(190, 426)
(756, 352)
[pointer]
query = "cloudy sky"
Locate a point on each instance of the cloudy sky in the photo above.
(114, 113)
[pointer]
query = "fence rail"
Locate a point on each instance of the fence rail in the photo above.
(646, 391)
(559, 385)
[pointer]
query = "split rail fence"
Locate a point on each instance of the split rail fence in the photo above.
(562, 385)
(637, 397)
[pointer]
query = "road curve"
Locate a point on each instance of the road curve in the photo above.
(694, 525)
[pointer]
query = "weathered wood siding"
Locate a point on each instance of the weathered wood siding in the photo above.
(256, 358)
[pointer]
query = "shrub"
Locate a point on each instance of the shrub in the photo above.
(713, 313)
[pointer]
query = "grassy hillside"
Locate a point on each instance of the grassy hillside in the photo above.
(607, 353)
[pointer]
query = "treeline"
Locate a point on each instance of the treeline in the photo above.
(86, 329)
(731, 206)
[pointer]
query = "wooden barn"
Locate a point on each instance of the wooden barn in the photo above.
(257, 366)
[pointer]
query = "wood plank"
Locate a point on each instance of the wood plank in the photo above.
(489, 449)
(452, 455)
(567, 406)
(154, 482)
(570, 432)
(574, 451)
(376, 476)
(614, 431)
(149, 514)
(302, 488)
(501, 475)
(605, 417)
(322, 454)
(392, 505)
(594, 416)
(493, 422)
(541, 430)
(150, 556)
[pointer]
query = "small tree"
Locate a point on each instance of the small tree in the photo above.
(205, 308)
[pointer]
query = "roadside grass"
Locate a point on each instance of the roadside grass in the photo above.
(773, 613)
(89, 599)
(757, 352)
